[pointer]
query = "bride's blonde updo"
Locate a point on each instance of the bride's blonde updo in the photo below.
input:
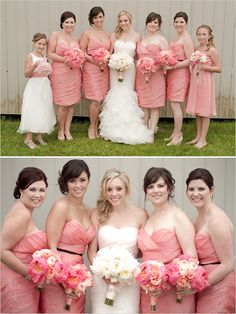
(118, 29)
(103, 205)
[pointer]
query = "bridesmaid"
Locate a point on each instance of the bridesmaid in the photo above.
(163, 237)
(69, 230)
(178, 76)
(95, 81)
(20, 239)
(151, 95)
(201, 99)
(214, 241)
(66, 81)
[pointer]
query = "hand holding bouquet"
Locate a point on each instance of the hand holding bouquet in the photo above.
(166, 58)
(147, 66)
(185, 273)
(120, 62)
(101, 55)
(117, 265)
(152, 277)
(44, 68)
(74, 57)
(198, 57)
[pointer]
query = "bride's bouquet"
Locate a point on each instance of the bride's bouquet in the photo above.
(101, 55)
(152, 277)
(147, 66)
(116, 265)
(166, 57)
(74, 57)
(120, 62)
(44, 68)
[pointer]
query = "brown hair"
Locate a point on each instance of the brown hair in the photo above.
(211, 37)
(201, 174)
(93, 13)
(183, 15)
(38, 36)
(152, 17)
(66, 15)
(118, 29)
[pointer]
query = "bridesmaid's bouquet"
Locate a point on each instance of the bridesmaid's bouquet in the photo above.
(152, 277)
(46, 266)
(44, 68)
(101, 55)
(120, 62)
(185, 273)
(147, 66)
(78, 279)
(116, 265)
(74, 57)
(166, 57)
(198, 57)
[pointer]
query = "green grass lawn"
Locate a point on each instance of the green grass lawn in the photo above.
(221, 142)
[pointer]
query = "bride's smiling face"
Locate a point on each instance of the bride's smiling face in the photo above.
(116, 192)
(124, 22)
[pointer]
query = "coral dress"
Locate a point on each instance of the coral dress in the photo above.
(153, 93)
(178, 79)
(163, 246)
(201, 97)
(19, 295)
(74, 239)
(220, 297)
(95, 81)
(66, 82)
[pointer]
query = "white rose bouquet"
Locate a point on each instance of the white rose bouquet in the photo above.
(120, 62)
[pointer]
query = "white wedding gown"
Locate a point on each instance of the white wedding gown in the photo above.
(127, 298)
(121, 117)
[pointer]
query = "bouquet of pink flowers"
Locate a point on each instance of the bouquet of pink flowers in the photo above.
(44, 68)
(74, 57)
(166, 57)
(116, 265)
(46, 266)
(78, 279)
(147, 66)
(101, 55)
(185, 273)
(152, 277)
(120, 62)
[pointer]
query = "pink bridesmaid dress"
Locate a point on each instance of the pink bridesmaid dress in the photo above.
(19, 295)
(178, 79)
(151, 94)
(220, 297)
(66, 81)
(95, 81)
(74, 239)
(201, 97)
(163, 246)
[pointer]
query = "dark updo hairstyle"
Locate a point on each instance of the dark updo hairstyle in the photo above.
(201, 174)
(66, 15)
(154, 174)
(94, 12)
(183, 15)
(26, 177)
(71, 170)
(152, 17)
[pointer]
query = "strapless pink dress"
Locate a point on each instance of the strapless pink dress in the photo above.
(19, 295)
(201, 97)
(178, 79)
(220, 297)
(75, 239)
(163, 246)
(96, 82)
(66, 82)
(153, 93)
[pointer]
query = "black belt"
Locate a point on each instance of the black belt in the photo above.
(66, 251)
(209, 264)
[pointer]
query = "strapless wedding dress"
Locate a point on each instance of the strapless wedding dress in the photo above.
(127, 298)
(121, 117)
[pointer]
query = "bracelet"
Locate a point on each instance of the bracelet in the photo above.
(28, 277)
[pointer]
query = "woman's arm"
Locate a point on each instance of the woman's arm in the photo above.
(93, 245)
(52, 43)
(216, 67)
(84, 40)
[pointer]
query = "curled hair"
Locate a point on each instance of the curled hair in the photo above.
(26, 177)
(154, 174)
(201, 174)
(118, 29)
(183, 15)
(211, 37)
(152, 17)
(103, 205)
(71, 170)
(94, 12)
(38, 36)
(66, 15)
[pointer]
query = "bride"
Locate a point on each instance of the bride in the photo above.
(121, 117)
(117, 223)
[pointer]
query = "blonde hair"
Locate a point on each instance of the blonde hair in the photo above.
(118, 29)
(103, 205)
(211, 37)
